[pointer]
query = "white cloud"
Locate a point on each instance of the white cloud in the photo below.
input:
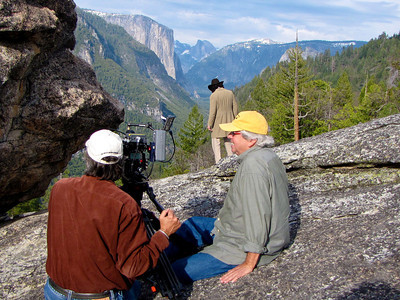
(229, 21)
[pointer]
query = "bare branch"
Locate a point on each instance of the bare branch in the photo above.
(302, 117)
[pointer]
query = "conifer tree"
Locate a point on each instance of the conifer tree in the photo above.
(258, 99)
(193, 134)
(318, 95)
(343, 93)
(371, 100)
(281, 93)
(190, 155)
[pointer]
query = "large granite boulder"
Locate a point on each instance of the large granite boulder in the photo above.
(50, 100)
(345, 222)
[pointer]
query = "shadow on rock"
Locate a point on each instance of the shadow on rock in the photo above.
(369, 290)
(148, 294)
(295, 213)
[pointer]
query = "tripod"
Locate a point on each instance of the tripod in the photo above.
(162, 277)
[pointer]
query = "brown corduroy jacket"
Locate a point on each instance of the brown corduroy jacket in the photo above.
(96, 237)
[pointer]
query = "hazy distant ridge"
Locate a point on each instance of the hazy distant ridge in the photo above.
(237, 64)
(194, 66)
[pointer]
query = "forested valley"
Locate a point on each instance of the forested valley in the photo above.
(332, 92)
(299, 98)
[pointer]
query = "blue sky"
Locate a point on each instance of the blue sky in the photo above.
(226, 22)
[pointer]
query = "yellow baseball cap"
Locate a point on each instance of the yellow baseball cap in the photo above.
(251, 121)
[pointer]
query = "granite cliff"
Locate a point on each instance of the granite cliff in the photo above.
(50, 100)
(129, 71)
(157, 37)
(345, 222)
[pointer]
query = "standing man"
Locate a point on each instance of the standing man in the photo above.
(96, 238)
(252, 227)
(223, 109)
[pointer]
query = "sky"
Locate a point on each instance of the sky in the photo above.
(226, 22)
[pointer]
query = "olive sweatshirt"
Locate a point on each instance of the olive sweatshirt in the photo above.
(254, 217)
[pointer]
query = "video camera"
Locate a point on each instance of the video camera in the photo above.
(138, 152)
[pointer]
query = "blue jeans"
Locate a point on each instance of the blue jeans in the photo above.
(195, 233)
(132, 294)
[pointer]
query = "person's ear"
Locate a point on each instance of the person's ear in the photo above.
(252, 142)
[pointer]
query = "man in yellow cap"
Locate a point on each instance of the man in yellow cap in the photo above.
(252, 227)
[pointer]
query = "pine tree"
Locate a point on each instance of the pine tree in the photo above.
(343, 93)
(193, 134)
(193, 149)
(258, 99)
(318, 94)
(286, 95)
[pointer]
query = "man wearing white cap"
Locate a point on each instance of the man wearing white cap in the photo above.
(252, 227)
(96, 239)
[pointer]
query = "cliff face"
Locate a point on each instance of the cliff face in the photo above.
(129, 71)
(345, 222)
(50, 100)
(157, 37)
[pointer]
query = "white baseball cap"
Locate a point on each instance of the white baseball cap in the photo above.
(104, 143)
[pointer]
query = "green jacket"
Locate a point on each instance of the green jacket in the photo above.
(254, 217)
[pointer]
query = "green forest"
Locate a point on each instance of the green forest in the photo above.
(328, 92)
(332, 91)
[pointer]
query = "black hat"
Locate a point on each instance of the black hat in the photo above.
(214, 84)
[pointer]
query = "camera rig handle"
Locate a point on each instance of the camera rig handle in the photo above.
(148, 125)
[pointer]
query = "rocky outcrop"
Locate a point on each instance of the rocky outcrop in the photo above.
(345, 222)
(50, 100)
(156, 37)
(308, 52)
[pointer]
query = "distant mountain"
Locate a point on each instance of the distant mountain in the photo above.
(193, 67)
(237, 64)
(307, 52)
(129, 71)
(155, 36)
(190, 55)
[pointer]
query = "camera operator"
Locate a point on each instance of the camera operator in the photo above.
(96, 239)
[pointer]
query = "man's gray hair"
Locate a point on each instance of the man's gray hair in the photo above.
(263, 140)
(110, 172)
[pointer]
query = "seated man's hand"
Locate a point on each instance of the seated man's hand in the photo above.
(236, 273)
(241, 270)
(169, 223)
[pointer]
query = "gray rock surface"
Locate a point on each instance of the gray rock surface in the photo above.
(345, 222)
(50, 100)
